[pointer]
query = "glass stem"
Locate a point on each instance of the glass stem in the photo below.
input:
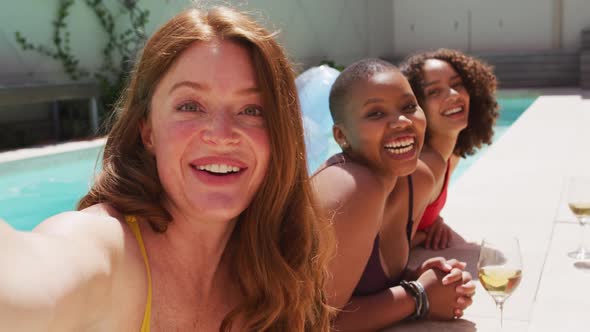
(583, 247)
(501, 308)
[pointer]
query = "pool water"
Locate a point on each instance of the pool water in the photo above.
(511, 108)
(33, 190)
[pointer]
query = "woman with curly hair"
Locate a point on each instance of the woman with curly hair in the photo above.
(458, 95)
(202, 218)
(373, 190)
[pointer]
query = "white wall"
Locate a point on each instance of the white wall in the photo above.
(345, 30)
(33, 19)
(423, 24)
(314, 30)
(381, 27)
(512, 25)
(576, 17)
(311, 30)
(472, 25)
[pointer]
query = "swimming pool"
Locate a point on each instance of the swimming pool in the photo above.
(511, 108)
(34, 189)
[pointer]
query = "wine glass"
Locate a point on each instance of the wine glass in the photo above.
(578, 199)
(500, 268)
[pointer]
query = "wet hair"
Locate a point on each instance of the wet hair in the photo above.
(279, 248)
(480, 83)
(361, 70)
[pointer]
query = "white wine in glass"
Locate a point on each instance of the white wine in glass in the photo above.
(578, 198)
(500, 268)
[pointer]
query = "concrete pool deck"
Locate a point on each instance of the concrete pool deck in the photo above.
(517, 188)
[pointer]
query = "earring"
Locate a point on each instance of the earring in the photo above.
(344, 145)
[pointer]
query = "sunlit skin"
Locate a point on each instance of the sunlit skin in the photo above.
(446, 104)
(381, 112)
(443, 92)
(207, 111)
(207, 132)
(108, 267)
(381, 130)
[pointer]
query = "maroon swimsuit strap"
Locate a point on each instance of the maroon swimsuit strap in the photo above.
(374, 279)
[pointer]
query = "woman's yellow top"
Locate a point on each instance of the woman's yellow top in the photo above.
(132, 222)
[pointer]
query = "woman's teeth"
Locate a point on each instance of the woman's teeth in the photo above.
(219, 168)
(401, 146)
(453, 111)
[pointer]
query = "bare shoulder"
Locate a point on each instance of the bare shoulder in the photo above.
(423, 185)
(423, 178)
(434, 162)
(98, 228)
(350, 187)
(354, 198)
(423, 182)
(98, 224)
(455, 159)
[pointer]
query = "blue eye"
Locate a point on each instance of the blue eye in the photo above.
(190, 107)
(252, 110)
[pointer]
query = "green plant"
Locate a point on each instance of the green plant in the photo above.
(117, 55)
(332, 64)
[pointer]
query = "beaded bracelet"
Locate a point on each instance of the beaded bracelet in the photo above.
(416, 290)
(425, 304)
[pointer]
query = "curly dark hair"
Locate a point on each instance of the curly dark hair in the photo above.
(480, 83)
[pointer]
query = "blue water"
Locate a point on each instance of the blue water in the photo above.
(321, 145)
(42, 188)
(510, 110)
(30, 196)
(313, 87)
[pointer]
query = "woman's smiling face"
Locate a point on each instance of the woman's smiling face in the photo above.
(382, 124)
(446, 101)
(207, 131)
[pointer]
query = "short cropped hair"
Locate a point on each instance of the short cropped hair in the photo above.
(361, 70)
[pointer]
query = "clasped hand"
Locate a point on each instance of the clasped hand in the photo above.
(448, 286)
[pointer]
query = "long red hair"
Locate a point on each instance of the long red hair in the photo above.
(280, 242)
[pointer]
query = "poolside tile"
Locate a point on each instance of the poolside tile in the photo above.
(565, 279)
(516, 188)
(562, 315)
(464, 325)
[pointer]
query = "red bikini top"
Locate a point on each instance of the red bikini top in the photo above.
(433, 209)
